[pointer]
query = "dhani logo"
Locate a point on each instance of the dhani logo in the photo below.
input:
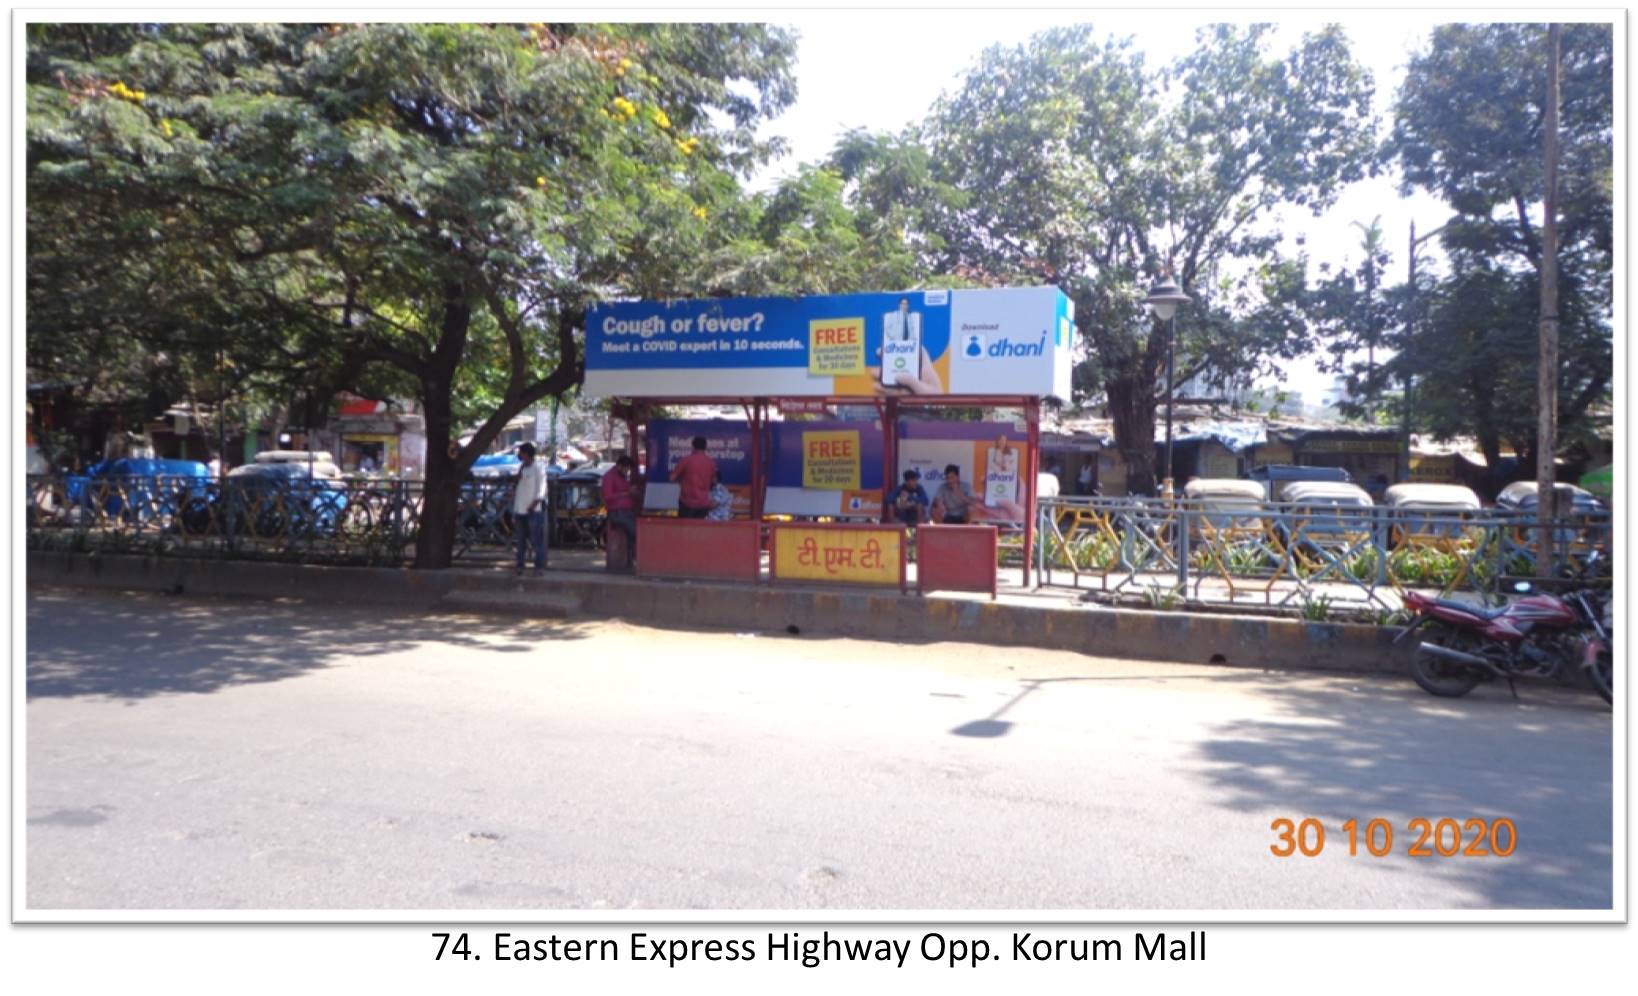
(1007, 347)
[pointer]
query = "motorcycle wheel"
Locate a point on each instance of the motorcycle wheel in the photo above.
(1602, 675)
(1445, 678)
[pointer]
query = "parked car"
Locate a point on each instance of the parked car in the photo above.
(137, 488)
(320, 463)
(1273, 476)
(486, 497)
(496, 465)
(272, 499)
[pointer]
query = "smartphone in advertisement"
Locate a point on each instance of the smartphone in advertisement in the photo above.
(901, 345)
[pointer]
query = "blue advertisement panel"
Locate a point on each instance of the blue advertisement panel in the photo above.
(991, 459)
(727, 441)
(1014, 341)
(829, 468)
(789, 463)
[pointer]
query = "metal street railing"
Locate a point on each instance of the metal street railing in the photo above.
(372, 522)
(1320, 560)
(1317, 558)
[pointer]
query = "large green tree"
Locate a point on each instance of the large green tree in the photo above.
(1468, 128)
(1077, 164)
(428, 208)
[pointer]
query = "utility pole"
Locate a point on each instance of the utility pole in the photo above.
(221, 410)
(1547, 371)
(1410, 337)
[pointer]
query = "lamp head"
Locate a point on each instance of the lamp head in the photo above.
(1164, 298)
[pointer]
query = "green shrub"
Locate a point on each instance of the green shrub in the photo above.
(1424, 567)
(1162, 598)
(1093, 551)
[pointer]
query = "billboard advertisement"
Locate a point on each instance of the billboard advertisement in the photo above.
(727, 443)
(992, 458)
(1010, 341)
(825, 468)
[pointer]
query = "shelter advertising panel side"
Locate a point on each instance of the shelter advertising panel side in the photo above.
(1008, 340)
(825, 468)
(956, 558)
(838, 554)
(699, 549)
(727, 443)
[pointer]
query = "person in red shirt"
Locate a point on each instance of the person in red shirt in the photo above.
(694, 473)
(620, 501)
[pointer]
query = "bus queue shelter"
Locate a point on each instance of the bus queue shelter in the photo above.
(986, 348)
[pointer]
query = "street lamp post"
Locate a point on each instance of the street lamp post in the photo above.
(1410, 337)
(1163, 300)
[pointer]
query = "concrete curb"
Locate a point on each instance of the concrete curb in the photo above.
(1244, 641)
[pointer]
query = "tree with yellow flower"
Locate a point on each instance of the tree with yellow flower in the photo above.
(410, 210)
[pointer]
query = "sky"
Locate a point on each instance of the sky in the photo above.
(884, 70)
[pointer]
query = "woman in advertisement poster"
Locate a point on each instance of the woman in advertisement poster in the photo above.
(1001, 480)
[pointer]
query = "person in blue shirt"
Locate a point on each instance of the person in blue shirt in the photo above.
(909, 500)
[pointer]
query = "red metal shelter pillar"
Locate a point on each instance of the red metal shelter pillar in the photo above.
(634, 415)
(1032, 418)
(890, 454)
(757, 411)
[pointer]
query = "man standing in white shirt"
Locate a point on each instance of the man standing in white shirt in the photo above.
(529, 509)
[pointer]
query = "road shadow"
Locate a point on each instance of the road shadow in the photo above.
(993, 725)
(133, 646)
(1378, 749)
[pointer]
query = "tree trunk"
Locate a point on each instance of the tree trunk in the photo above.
(1132, 409)
(435, 542)
(1490, 446)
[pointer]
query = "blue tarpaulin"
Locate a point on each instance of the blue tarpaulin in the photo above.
(1234, 436)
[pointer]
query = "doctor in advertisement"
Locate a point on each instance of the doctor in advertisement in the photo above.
(905, 364)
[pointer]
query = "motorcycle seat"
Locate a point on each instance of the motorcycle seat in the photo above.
(1470, 608)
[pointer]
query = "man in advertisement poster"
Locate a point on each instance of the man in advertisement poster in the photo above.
(693, 474)
(529, 509)
(620, 499)
(902, 341)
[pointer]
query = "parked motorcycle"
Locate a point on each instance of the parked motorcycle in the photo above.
(1534, 636)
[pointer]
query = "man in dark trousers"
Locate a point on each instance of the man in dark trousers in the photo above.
(694, 474)
(620, 499)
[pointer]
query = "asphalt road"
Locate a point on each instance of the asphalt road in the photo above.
(197, 754)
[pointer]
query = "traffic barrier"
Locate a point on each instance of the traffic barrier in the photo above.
(956, 558)
(698, 549)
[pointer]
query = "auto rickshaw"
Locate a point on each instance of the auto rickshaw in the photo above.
(578, 515)
(1428, 514)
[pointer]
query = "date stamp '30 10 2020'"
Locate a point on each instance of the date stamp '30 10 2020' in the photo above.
(1444, 838)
